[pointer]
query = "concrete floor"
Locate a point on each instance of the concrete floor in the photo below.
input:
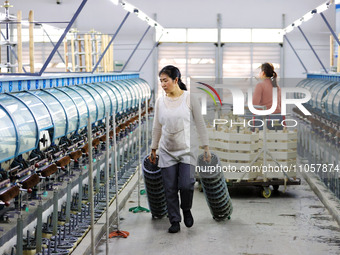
(294, 222)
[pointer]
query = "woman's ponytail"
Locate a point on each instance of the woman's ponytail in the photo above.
(181, 85)
(269, 72)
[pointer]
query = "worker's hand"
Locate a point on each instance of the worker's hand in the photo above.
(207, 154)
(152, 156)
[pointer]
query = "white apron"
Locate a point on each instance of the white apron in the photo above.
(177, 143)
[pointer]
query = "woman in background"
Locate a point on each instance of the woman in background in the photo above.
(174, 135)
(263, 94)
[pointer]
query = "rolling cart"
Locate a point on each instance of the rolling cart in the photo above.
(255, 158)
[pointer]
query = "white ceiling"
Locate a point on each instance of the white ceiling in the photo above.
(104, 16)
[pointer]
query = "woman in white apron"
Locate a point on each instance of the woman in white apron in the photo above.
(177, 121)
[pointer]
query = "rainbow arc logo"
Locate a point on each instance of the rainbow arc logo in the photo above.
(209, 93)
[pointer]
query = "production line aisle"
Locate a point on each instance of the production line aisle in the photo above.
(295, 222)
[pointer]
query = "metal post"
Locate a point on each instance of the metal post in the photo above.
(147, 125)
(265, 148)
(39, 227)
(19, 235)
(11, 55)
(186, 60)
(139, 145)
(282, 51)
(61, 39)
(107, 180)
(134, 50)
(116, 170)
(55, 212)
(156, 67)
(111, 41)
(89, 140)
(129, 147)
(251, 63)
(296, 53)
(316, 55)
(112, 162)
(98, 175)
(116, 233)
(219, 59)
(118, 154)
(68, 202)
(7, 34)
(123, 153)
(80, 191)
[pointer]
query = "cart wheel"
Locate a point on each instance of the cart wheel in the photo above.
(266, 192)
(276, 187)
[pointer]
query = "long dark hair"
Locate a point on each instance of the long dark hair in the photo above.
(268, 70)
(173, 72)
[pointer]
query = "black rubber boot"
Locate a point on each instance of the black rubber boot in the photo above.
(175, 227)
(188, 219)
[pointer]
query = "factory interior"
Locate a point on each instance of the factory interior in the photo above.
(79, 82)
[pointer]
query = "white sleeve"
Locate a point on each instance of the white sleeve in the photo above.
(156, 129)
(195, 108)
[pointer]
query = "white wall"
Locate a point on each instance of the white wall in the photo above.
(104, 16)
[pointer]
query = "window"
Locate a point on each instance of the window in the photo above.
(236, 35)
(228, 35)
(244, 60)
(172, 35)
(202, 35)
(267, 36)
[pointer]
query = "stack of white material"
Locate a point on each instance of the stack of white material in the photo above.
(282, 145)
(238, 147)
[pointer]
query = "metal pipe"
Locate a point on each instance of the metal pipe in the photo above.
(98, 175)
(68, 202)
(7, 33)
(112, 162)
(282, 51)
(48, 36)
(107, 181)
(80, 191)
(296, 53)
(134, 50)
(156, 65)
(139, 145)
(118, 154)
(147, 57)
(219, 61)
(12, 59)
(147, 125)
(316, 55)
(111, 41)
(55, 212)
(19, 249)
(116, 169)
(39, 227)
(90, 196)
(62, 37)
(330, 28)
